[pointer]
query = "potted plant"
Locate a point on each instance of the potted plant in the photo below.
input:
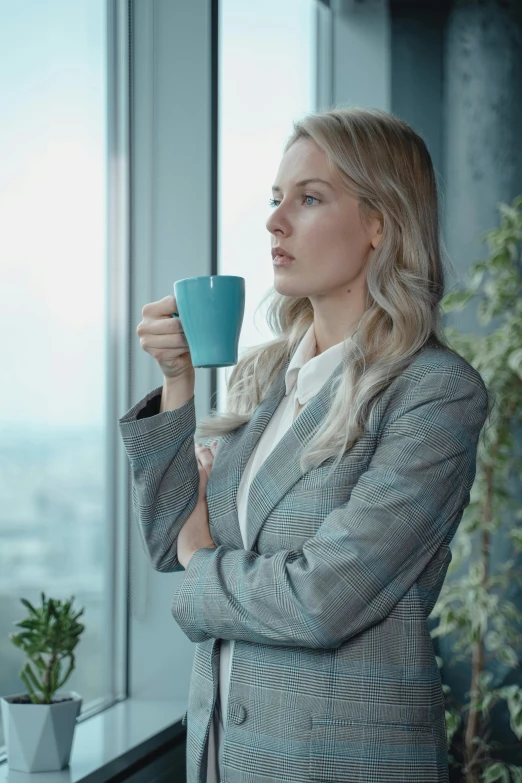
(39, 725)
(474, 606)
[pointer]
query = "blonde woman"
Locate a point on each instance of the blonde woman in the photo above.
(315, 536)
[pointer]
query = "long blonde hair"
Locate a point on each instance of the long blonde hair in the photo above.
(387, 166)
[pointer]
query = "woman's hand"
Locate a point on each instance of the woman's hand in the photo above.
(195, 533)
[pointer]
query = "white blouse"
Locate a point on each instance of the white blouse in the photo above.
(305, 376)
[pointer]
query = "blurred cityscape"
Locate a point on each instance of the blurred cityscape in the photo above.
(53, 530)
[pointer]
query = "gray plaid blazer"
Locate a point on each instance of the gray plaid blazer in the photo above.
(334, 677)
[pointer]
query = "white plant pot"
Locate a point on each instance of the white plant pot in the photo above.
(39, 737)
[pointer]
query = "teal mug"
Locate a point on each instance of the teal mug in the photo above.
(211, 310)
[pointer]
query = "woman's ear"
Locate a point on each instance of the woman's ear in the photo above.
(377, 232)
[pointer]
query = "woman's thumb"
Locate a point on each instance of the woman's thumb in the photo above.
(203, 480)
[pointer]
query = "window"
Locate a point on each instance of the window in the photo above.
(267, 80)
(55, 530)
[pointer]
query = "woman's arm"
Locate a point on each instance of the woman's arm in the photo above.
(165, 477)
(369, 551)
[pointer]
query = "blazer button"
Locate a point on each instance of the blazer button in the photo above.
(237, 713)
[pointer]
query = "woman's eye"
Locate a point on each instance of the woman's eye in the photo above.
(274, 202)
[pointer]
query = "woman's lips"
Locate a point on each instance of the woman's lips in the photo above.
(281, 261)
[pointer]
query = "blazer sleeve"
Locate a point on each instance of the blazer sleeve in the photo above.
(164, 471)
(369, 551)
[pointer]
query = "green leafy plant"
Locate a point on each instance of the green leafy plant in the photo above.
(51, 630)
(474, 606)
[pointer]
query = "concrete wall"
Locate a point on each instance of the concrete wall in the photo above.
(482, 123)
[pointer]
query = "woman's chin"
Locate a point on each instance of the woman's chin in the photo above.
(285, 287)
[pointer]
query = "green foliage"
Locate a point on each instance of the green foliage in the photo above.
(51, 630)
(474, 607)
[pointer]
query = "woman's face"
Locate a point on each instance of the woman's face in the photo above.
(321, 226)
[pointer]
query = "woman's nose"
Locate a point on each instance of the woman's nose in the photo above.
(277, 222)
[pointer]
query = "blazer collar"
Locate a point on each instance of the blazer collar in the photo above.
(309, 371)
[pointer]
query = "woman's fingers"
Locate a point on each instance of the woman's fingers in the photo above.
(204, 452)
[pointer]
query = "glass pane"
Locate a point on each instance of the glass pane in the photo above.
(267, 80)
(53, 523)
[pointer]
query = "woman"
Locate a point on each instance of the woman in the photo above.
(318, 541)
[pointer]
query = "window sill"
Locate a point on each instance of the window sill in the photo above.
(108, 743)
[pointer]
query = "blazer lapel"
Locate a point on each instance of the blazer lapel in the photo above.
(281, 469)
(279, 472)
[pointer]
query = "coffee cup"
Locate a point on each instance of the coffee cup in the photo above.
(211, 309)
